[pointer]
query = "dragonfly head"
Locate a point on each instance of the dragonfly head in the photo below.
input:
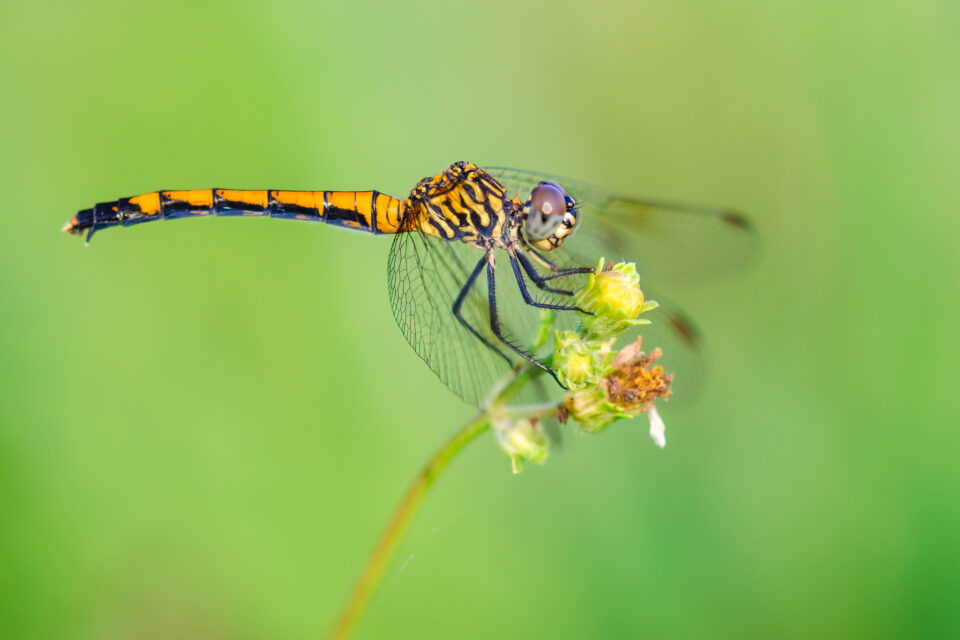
(549, 216)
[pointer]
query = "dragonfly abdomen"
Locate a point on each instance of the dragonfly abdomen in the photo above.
(369, 211)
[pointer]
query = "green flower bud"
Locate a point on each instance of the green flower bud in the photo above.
(580, 362)
(592, 410)
(633, 382)
(522, 440)
(614, 298)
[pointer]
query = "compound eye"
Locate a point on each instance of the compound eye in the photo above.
(548, 206)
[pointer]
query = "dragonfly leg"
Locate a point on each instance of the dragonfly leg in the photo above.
(557, 271)
(525, 292)
(538, 279)
(495, 318)
(537, 255)
(569, 272)
(458, 304)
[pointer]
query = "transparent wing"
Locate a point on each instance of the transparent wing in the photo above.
(673, 331)
(425, 278)
(668, 242)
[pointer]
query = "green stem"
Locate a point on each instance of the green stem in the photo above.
(544, 410)
(386, 547)
(383, 553)
(523, 374)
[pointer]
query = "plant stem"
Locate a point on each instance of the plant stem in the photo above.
(383, 553)
(544, 410)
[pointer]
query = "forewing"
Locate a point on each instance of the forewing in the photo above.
(426, 275)
(669, 242)
(672, 331)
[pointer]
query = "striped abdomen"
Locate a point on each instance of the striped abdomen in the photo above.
(369, 211)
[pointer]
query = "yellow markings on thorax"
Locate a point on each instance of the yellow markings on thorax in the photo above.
(429, 227)
(502, 218)
(496, 203)
(468, 203)
(439, 220)
(481, 212)
(149, 203)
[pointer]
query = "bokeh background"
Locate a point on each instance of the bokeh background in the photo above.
(204, 425)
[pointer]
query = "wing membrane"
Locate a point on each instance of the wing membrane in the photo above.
(426, 275)
(669, 242)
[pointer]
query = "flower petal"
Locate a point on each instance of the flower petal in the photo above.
(657, 428)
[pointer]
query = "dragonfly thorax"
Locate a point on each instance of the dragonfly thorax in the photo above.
(463, 203)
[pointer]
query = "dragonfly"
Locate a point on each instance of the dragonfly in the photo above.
(479, 255)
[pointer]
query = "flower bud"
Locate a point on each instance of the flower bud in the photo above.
(522, 440)
(613, 299)
(580, 362)
(591, 409)
(631, 386)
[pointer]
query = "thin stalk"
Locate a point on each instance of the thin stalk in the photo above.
(383, 553)
(505, 389)
(543, 410)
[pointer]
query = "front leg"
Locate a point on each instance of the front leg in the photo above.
(495, 317)
(557, 271)
(525, 292)
(538, 279)
(458, 305)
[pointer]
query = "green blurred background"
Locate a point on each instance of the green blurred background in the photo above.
(188, 443)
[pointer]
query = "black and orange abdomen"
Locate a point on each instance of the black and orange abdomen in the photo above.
(369, 211)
